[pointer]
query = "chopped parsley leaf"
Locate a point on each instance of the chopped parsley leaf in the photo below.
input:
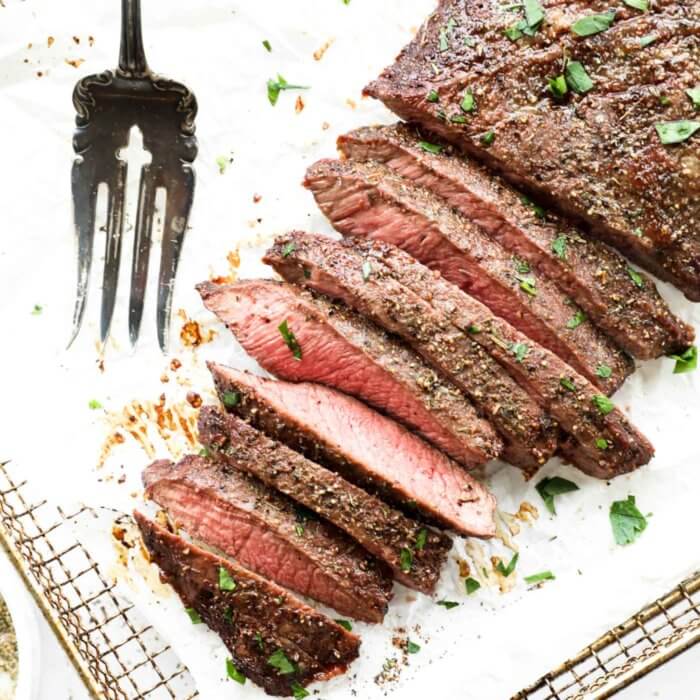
(635, 277)
(204, 452)
(467, 104)
(230, 398)
(528, 285)
(194, 616)
(406, 559)
(686, 361)
(603, 404)
(534, 14)
(557, 86)
(447, 604)
(559, 246)
(506, 571)
(520, 350)
(593, 24)
(664, 101)
(430, 147)
(642, 5)
(602, 443)
(473, 329)
(267, 44)
(577, 78)
(578, 318)
(513, 32)
(567, 384)
(274, 87)
(421, 539)
(443, 41)
(552, 486)
(38, 308)
(94, 404)
(539, 211)
(222, 162)
(412, 647)
(694, 94)
(288, 249)
(298, 690)
(345, 624)
(432, 96)
(299, 529)
(647, 40)
(259, 640)
(626, 520)
(603, 371)
(488, 138)
(542, 576)
(279, 661)
(458, 119)
(676, 132)
(233, 673)
(471, 585)
(226, 583)
(290, 339)
(228, 615)
(521, 266)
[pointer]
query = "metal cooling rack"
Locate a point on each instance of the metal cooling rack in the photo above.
(118, 655)
(121, 657)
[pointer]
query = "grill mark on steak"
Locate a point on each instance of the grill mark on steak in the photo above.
(266, 533)
(380, 529)
(418, 294)
(363, 446)
(254, 620)
(529, 434)
(342, 350)
(369, 199)
(595, 276)
(596, 156)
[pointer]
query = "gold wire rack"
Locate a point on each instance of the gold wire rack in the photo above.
(121, 657)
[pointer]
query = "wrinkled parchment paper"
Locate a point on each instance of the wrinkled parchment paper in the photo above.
(493, 643)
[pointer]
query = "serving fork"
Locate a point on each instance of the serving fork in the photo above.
(108, 105)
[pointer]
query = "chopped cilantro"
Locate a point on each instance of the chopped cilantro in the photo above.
(676, 132)
(642, 5)
(577, 78)
(36, 311)
(194, 616)
(520, 350)
(694, 94)
(274, 87)
(406, 559)
(534, 14)
(552, 486)
(94, 404)
(230, 398)
(288, 249)
(233, 673)
(686, 361)
(259, 640)
(603, 371)
(204, 452)
(290, 339)
(576, 320)
(602, 443)
(467, 104)
(567, 384)
(226, 583)
(421, 539)
(528, 285)
(222, 162)
(430, 147)
(488, 138)
(298, 690)
(593, 24)
(626, 520)
(279, 661)
(473, 329)
(559, 246)
(539, 211)
(603, 404)
(557, 86)
(443, 41)
(432, 96)
(521, 266)
(635, 277)
(346, 624)
(412, 647)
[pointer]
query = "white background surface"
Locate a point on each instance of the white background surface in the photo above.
(54, 439)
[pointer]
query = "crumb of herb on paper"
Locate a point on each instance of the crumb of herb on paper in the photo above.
(627, 521)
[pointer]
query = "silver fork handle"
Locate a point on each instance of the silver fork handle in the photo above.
(132, 57)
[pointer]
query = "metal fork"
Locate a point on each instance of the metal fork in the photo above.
(108, 105)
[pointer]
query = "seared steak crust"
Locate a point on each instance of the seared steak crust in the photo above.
(383, 531)
(254, 620)
(529, 434)
(595, 276)
(266, 533)
(596, 156)
(369, 199)
(608, 443)
(363, 446)
(342, 350)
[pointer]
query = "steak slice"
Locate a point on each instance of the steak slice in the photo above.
(438, 319)
(529, 434)
(258, 621)
(596, 156)
(414, 553)
(342, 350)
(267, 533)
(629, 309)
(362, 445)
(369, 199)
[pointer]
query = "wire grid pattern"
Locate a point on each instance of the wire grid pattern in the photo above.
(121, 655)
(641, 643)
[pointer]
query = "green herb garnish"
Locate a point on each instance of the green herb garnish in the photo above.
(259, 640)
(576, 320)
(602, 443)
(664, 100)
(542, 576)
(432, 96)
(443, 41)
(274, 87)
(642, 5)
(593, 24)
(603, 371)
(421, 539)
(488, 138)
(222, 162)
(299, 529)
(406, 559)
(233, 673)
(520, 350)
(194, 616)
(559, 246)
(447, 604)
(693, 93)
(288, 249)
(567, 384)
(506, 571)
(522, 266)
(94, 404)
(458, 119)
(279, 661)
(603, 404)
(467, 104)
(204, 452)
(471, 585)
(635, 277)
(290, 339)
(534, 14)
(298, 690)
(539, 211)
(676, 132)
(647, 40)
(577, 78)
(552, 486)
(412, 647)
(557, 86)
(267, 44)
(528, 285)
(346, 624)
(473, 329)
(626, 520)
(226, 583)
(430, 147)
(686, 361)
(36, 311)
(230, 398)
(366, 270)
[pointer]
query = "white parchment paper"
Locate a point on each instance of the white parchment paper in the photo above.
(489, 646)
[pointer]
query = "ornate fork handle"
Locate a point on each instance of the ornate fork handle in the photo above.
(132, 57)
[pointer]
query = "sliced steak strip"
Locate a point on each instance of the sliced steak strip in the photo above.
(438, 318)
(414, 553)
(529, 434)
(364, 446)
(369, 199)
(266, 533)
(596, 156)
(597, 278)
(257, 620)
(342, 350)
